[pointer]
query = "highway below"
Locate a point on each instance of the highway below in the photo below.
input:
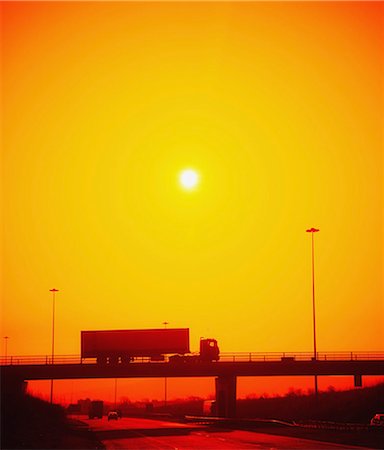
(147, 434)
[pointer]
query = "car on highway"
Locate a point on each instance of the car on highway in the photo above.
(378, 420)
(112, 415)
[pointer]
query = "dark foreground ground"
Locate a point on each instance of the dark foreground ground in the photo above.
(72, 433)
(69, 435)
(30, 423)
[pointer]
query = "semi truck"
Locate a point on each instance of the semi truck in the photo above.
(123, 346)
(96, 409)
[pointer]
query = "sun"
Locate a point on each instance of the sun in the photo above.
(189, 179)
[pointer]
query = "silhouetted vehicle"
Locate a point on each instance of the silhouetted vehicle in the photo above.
(113, 415)
(288, 358)
(209, 351)
(122, 346)
(74, 408)
(96, 409)
(209, 408)
(378, 420)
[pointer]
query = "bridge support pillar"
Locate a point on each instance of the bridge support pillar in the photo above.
(226, 396)
(358, 380)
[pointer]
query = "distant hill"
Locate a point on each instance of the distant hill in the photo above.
(357, 405)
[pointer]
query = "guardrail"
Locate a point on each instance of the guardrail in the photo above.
(257, 423)
(284, 357)
(340, 426)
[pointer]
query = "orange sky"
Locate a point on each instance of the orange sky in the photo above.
(279, 106)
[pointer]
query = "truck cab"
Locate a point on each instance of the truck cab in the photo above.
(209, 350)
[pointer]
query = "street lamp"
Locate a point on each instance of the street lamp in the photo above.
(115, 393)
(6, 348)
(53, 332)
(165, 379)
(312, 231)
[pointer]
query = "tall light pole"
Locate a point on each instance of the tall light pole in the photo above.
(115, 393)
(6, 348)
(313, 231)
(53, 332)
(165, 379)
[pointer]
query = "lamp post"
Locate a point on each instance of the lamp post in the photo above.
(53, 332)
(6, 348)
(165, 379)
(312, 231)
(115, 393)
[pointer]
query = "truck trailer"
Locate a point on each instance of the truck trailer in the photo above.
(123, 346)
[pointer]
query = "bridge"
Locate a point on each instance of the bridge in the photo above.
(17, 369)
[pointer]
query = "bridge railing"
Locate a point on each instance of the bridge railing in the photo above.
(59, 359)
(41, 359)
(224, 357)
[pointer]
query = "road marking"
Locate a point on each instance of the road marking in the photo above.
(158, 444)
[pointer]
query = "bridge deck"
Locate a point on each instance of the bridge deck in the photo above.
(224, 357)
(194, 369)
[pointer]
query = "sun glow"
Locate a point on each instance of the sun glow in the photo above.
(194, 143)
(189, 179)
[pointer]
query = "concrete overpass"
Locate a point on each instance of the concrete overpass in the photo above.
(16, 371)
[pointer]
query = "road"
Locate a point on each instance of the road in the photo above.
(146, 434)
